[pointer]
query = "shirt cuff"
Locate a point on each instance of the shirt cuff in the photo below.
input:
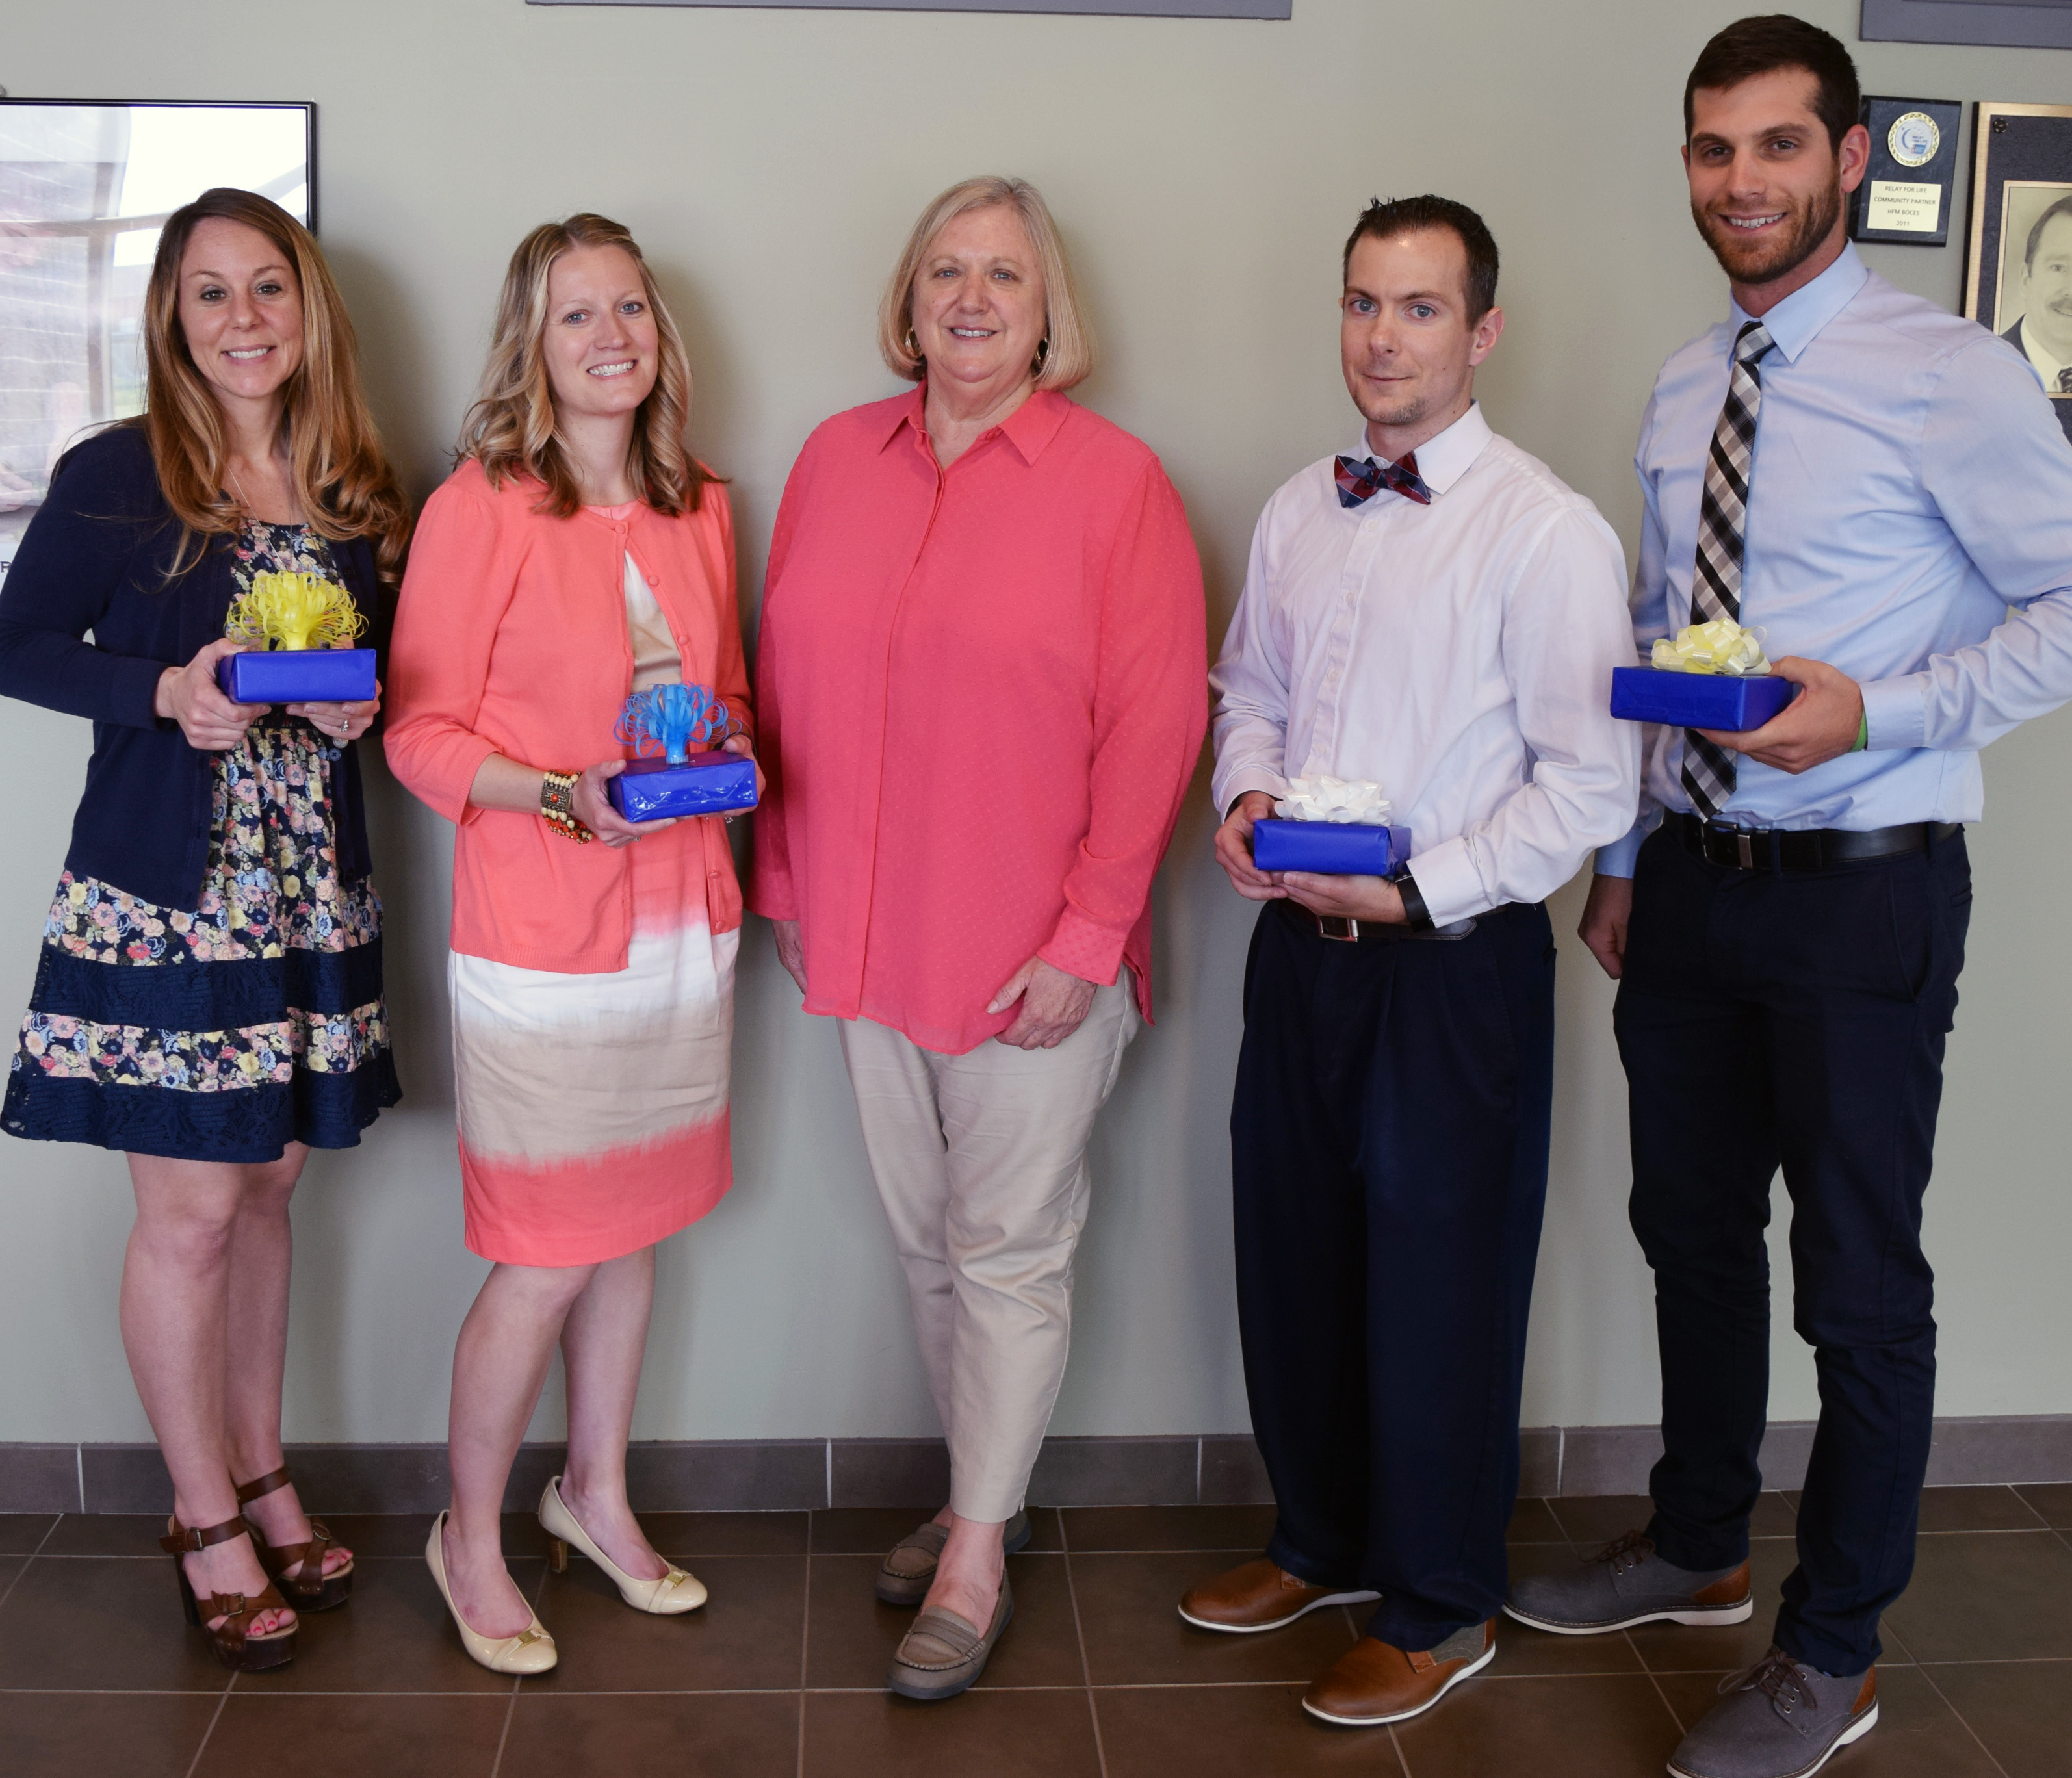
(1897, 710)
(1619, 858)
(1085, 948)
(1450, 884)
(1248, 778)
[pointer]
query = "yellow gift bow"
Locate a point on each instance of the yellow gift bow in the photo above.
(295, 611)
(1719, 646)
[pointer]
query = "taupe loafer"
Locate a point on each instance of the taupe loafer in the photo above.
(1261, 1595)
(943, 1653)
(909, 1569)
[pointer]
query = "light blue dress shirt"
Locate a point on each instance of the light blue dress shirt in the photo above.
(1911, 484)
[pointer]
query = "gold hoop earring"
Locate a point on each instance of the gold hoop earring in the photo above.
(913, 346)
(1042, 357)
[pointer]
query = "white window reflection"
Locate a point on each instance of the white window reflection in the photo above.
(84, 191)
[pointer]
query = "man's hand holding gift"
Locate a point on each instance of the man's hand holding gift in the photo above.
(1373, 898)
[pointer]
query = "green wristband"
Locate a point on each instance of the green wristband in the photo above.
(1863, 733)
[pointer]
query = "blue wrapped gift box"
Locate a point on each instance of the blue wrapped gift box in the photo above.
(653, 790)
(298, 675)
(1331, 849)
(1698, 701)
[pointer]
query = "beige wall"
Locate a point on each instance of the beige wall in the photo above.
(1205, 173)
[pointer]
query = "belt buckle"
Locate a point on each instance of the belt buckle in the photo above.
(1348, 929)
(1744, 848)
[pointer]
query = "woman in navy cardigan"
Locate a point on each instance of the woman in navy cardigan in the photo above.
(208, 998)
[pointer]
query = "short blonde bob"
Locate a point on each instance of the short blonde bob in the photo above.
(1067, 356)
(513, 429)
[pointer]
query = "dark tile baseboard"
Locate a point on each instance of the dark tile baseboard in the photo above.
(795, 1474)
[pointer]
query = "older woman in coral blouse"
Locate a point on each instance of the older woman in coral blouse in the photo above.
(980, 689)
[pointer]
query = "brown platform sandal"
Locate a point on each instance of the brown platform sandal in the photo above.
(312, 1590)
(231, 1646)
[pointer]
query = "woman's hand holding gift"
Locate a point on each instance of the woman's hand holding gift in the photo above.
(189, 696)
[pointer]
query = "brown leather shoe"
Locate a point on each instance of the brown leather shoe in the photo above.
(1259, 1595)
(1377, 1683)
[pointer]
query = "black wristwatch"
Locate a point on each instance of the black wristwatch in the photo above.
(1419, 916)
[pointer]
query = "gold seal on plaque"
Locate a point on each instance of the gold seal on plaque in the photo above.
(1913, 139)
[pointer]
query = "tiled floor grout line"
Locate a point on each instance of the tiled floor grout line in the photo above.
(1627, 1637)
(194, 1765)
(805, 1629)
(1962, 1719)
(517, 1684)
(1079, 1628)
(1402, 1759)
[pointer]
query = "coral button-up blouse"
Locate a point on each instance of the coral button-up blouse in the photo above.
(511, 638)
(981, 692)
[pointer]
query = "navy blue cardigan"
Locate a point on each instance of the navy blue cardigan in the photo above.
(95, 558)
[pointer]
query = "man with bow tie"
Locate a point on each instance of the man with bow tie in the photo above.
(1435, 612)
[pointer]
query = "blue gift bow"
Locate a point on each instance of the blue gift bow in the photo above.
(668, 719)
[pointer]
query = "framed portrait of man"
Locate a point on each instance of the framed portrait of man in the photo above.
(2018, 276)
(85, 186)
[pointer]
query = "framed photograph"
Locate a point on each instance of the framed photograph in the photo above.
(85, 186)
(2018, 275)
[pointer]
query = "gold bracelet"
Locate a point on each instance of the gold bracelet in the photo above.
(558, 806)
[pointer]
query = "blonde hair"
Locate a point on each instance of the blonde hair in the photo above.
(512, 428)
(341, 477)
(1067, 354)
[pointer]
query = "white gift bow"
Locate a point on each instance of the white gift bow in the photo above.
(1348, 801)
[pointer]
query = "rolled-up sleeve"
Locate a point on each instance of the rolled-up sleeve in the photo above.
(1992, 448)
(1150, 711)
(1566, 626)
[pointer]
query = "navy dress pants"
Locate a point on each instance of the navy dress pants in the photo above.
(1794, 1019)
(1388, 1145)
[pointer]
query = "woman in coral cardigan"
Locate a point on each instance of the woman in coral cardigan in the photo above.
(577, 554)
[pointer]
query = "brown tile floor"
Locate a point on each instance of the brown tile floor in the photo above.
(781, 1674)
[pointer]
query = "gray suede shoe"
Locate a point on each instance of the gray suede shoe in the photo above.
(909, 1568)
(1626, 1583)
(1777, 1720)
(943, 1653)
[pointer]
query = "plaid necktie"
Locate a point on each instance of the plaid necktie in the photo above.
(1360, 478)
(1716, 587)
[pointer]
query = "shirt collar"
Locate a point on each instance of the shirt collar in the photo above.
(1030, 429)
(1445, 457)
(1794, 322)
(2044, 365)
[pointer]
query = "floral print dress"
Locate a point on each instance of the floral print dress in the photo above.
(255, 1021)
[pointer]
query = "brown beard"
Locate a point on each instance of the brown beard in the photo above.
(1750, 262)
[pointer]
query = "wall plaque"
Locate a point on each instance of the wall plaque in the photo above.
(1912, 178)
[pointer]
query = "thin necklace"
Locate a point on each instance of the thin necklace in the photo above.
(244, 500)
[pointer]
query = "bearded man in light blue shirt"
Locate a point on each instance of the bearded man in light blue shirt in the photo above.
(1871, 483)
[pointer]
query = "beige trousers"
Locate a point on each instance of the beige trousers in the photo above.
(982, 1162)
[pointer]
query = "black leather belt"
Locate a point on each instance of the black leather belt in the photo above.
(1363, 932)
(1805, 848)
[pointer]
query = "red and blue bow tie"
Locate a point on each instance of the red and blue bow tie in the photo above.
(1360, 478)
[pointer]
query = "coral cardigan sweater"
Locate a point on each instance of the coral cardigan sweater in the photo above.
(511, 638)
(983, 691)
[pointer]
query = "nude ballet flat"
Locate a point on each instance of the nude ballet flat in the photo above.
(530, 1651)
(676, 1592)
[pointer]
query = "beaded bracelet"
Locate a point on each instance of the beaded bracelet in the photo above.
(558, 806)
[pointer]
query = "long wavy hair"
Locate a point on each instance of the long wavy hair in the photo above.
(513, 430)
(341, 475)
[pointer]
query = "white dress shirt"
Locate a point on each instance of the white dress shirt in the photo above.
(2047, 369)
(1910, 484)
(1459, 654)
